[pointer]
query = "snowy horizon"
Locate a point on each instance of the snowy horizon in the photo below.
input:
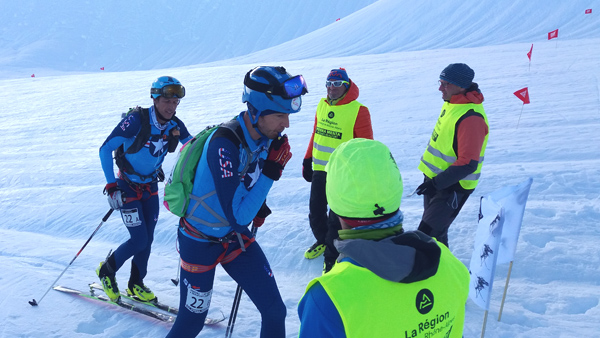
(51, 187)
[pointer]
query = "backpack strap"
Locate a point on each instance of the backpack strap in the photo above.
(138, 143)
(144, 134)
(176, 120)
(233, 128)
(233, 132)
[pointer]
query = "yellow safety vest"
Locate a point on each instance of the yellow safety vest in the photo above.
(440, 153)
(371, 306)
(335, 125)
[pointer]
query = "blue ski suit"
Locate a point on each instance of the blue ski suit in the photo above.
(216, 232)
(140, 212)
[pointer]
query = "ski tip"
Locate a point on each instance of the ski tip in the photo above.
(214, 321)
(33, 302)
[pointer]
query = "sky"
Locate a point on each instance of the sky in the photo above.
(54, 123)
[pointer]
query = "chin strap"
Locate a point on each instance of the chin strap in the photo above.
(258, 131)
(255, 112)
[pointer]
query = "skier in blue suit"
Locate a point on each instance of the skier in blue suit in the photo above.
(238, 166)
(140, 142)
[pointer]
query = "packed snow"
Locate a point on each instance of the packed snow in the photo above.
(51, 183)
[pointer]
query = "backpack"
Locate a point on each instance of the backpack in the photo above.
(178, 189)
(140, 140)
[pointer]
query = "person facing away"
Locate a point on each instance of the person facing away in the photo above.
(453, 158)
(140, 141)
(339, 118)
(386, 282)
(238, 166)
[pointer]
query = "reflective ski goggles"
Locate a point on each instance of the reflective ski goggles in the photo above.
(337, 83)
(170, 91)
(294, 87)
(289, 89)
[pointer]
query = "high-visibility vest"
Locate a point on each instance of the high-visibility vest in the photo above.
(440, 153)
(335, 125)
(371, 306)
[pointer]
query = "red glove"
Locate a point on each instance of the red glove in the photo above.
(261, 215)
(258, 221)
(279, 155)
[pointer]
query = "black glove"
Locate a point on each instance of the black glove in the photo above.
(279, 155)
(307, 170)
(427, 188)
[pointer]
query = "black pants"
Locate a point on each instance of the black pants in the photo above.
(439, 211)
(324, 224)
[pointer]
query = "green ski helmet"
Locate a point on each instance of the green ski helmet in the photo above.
(363, 180)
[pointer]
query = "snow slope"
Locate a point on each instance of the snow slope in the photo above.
(51, 182)
(395, 26)
(135, 35)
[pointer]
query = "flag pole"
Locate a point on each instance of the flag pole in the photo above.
(484, 323)
(505, 289)
(523, 106)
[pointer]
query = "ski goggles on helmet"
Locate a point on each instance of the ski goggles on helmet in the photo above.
(337, 83)
(289, 89)
(170, 91)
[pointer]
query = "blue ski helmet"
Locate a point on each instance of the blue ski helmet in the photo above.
(168, 87)
(269, 90)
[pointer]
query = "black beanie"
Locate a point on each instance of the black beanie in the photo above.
(458, 74)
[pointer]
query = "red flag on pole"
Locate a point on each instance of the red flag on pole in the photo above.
(553, 34)
(101, 68)
(523, 95)
(530, 50)
(32, 75)
(588, 11)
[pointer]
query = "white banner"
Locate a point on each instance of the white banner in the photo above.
(485, 252)
(513, 200)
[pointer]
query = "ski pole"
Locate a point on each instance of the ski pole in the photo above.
(412, 193)
(234, 309)
(236, 301)
(104, 219)
(176, 280)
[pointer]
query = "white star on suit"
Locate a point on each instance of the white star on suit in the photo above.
(158, 146)
(254, 175)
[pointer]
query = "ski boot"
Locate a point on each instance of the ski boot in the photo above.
(327, 265)
(141, 292)
(109, 283)
(315, 251)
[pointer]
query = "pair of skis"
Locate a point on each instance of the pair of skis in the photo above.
(155, 310)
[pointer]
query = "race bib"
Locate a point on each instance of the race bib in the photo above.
(197, 301)
(131, 217)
